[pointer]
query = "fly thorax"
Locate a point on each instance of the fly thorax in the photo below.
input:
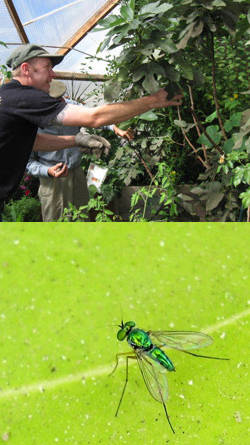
(159, 356)
(138, 338)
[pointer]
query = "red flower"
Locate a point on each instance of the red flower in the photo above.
(27, 192)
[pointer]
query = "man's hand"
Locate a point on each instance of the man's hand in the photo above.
(90, 143)
(126, 134)
(59, 170)
(161, 97)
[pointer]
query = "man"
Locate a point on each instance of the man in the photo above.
(62, 180)
(26, 105)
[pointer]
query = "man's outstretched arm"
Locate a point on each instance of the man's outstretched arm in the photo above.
(74, 115)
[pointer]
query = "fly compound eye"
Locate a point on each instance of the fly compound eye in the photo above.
(121, 334)
(130, 324)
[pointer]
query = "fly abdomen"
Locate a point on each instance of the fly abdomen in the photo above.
(159, 356)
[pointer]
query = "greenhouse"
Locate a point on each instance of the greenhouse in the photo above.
(184, 159)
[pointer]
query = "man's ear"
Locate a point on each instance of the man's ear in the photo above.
(25, 68)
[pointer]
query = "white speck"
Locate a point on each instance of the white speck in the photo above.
(162, 243)
(223, 335)
(56, 439)
(171, 325)
(239, 365)
(16, 242)
(87, 416)
(189, 287)
(181, 396)
(248, 302)
(82, 342)
(30, 416)
(3, 316)
(107, 294)
(73, 262)
(190, 382)
(63, 357)
(237, 416)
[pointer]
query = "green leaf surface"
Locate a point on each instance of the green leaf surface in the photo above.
(214, 133)
(66, 287)
(148, 116)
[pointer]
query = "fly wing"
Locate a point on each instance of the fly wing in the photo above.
(154, 376)
(182, 340)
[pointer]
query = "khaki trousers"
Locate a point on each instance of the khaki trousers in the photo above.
(55, 194)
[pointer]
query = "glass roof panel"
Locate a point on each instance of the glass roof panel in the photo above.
(54, 22)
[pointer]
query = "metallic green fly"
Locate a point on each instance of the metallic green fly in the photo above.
(152, 360)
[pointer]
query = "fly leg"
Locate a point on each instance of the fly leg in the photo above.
(128, 356)
(160, 393)
(121, 354)
(203, 356)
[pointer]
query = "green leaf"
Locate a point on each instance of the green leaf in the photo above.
(218, 3)
(127, 13)
(228, 145)
(109, 22)
(238, 176)
(150, 84)
(187, 71)
(211, 117)
(180, 123)
(148, 116)
(236, 119)
(152, 9)
(214, 133)
(245, 197)
(168, 45)
(247, 174)
(139, 73)
(112, 90)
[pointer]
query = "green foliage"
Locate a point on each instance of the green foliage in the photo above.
(4, 71)
(96, 207)
(159, 198)
(201, 49)
(22, 210)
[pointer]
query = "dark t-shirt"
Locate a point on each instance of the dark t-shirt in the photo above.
(22, 110)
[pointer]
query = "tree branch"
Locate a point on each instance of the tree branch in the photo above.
(217, 106)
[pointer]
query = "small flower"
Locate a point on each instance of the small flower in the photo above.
(27, 192)
(22, 187)
(27, 178)
(222, 159)
(236, 96)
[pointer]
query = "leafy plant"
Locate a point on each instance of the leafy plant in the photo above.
(199, 48)
(22, 210)
(159, 198)
(96, 208)
(5, 73)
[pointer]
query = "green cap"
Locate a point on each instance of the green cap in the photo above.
(26, 52)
